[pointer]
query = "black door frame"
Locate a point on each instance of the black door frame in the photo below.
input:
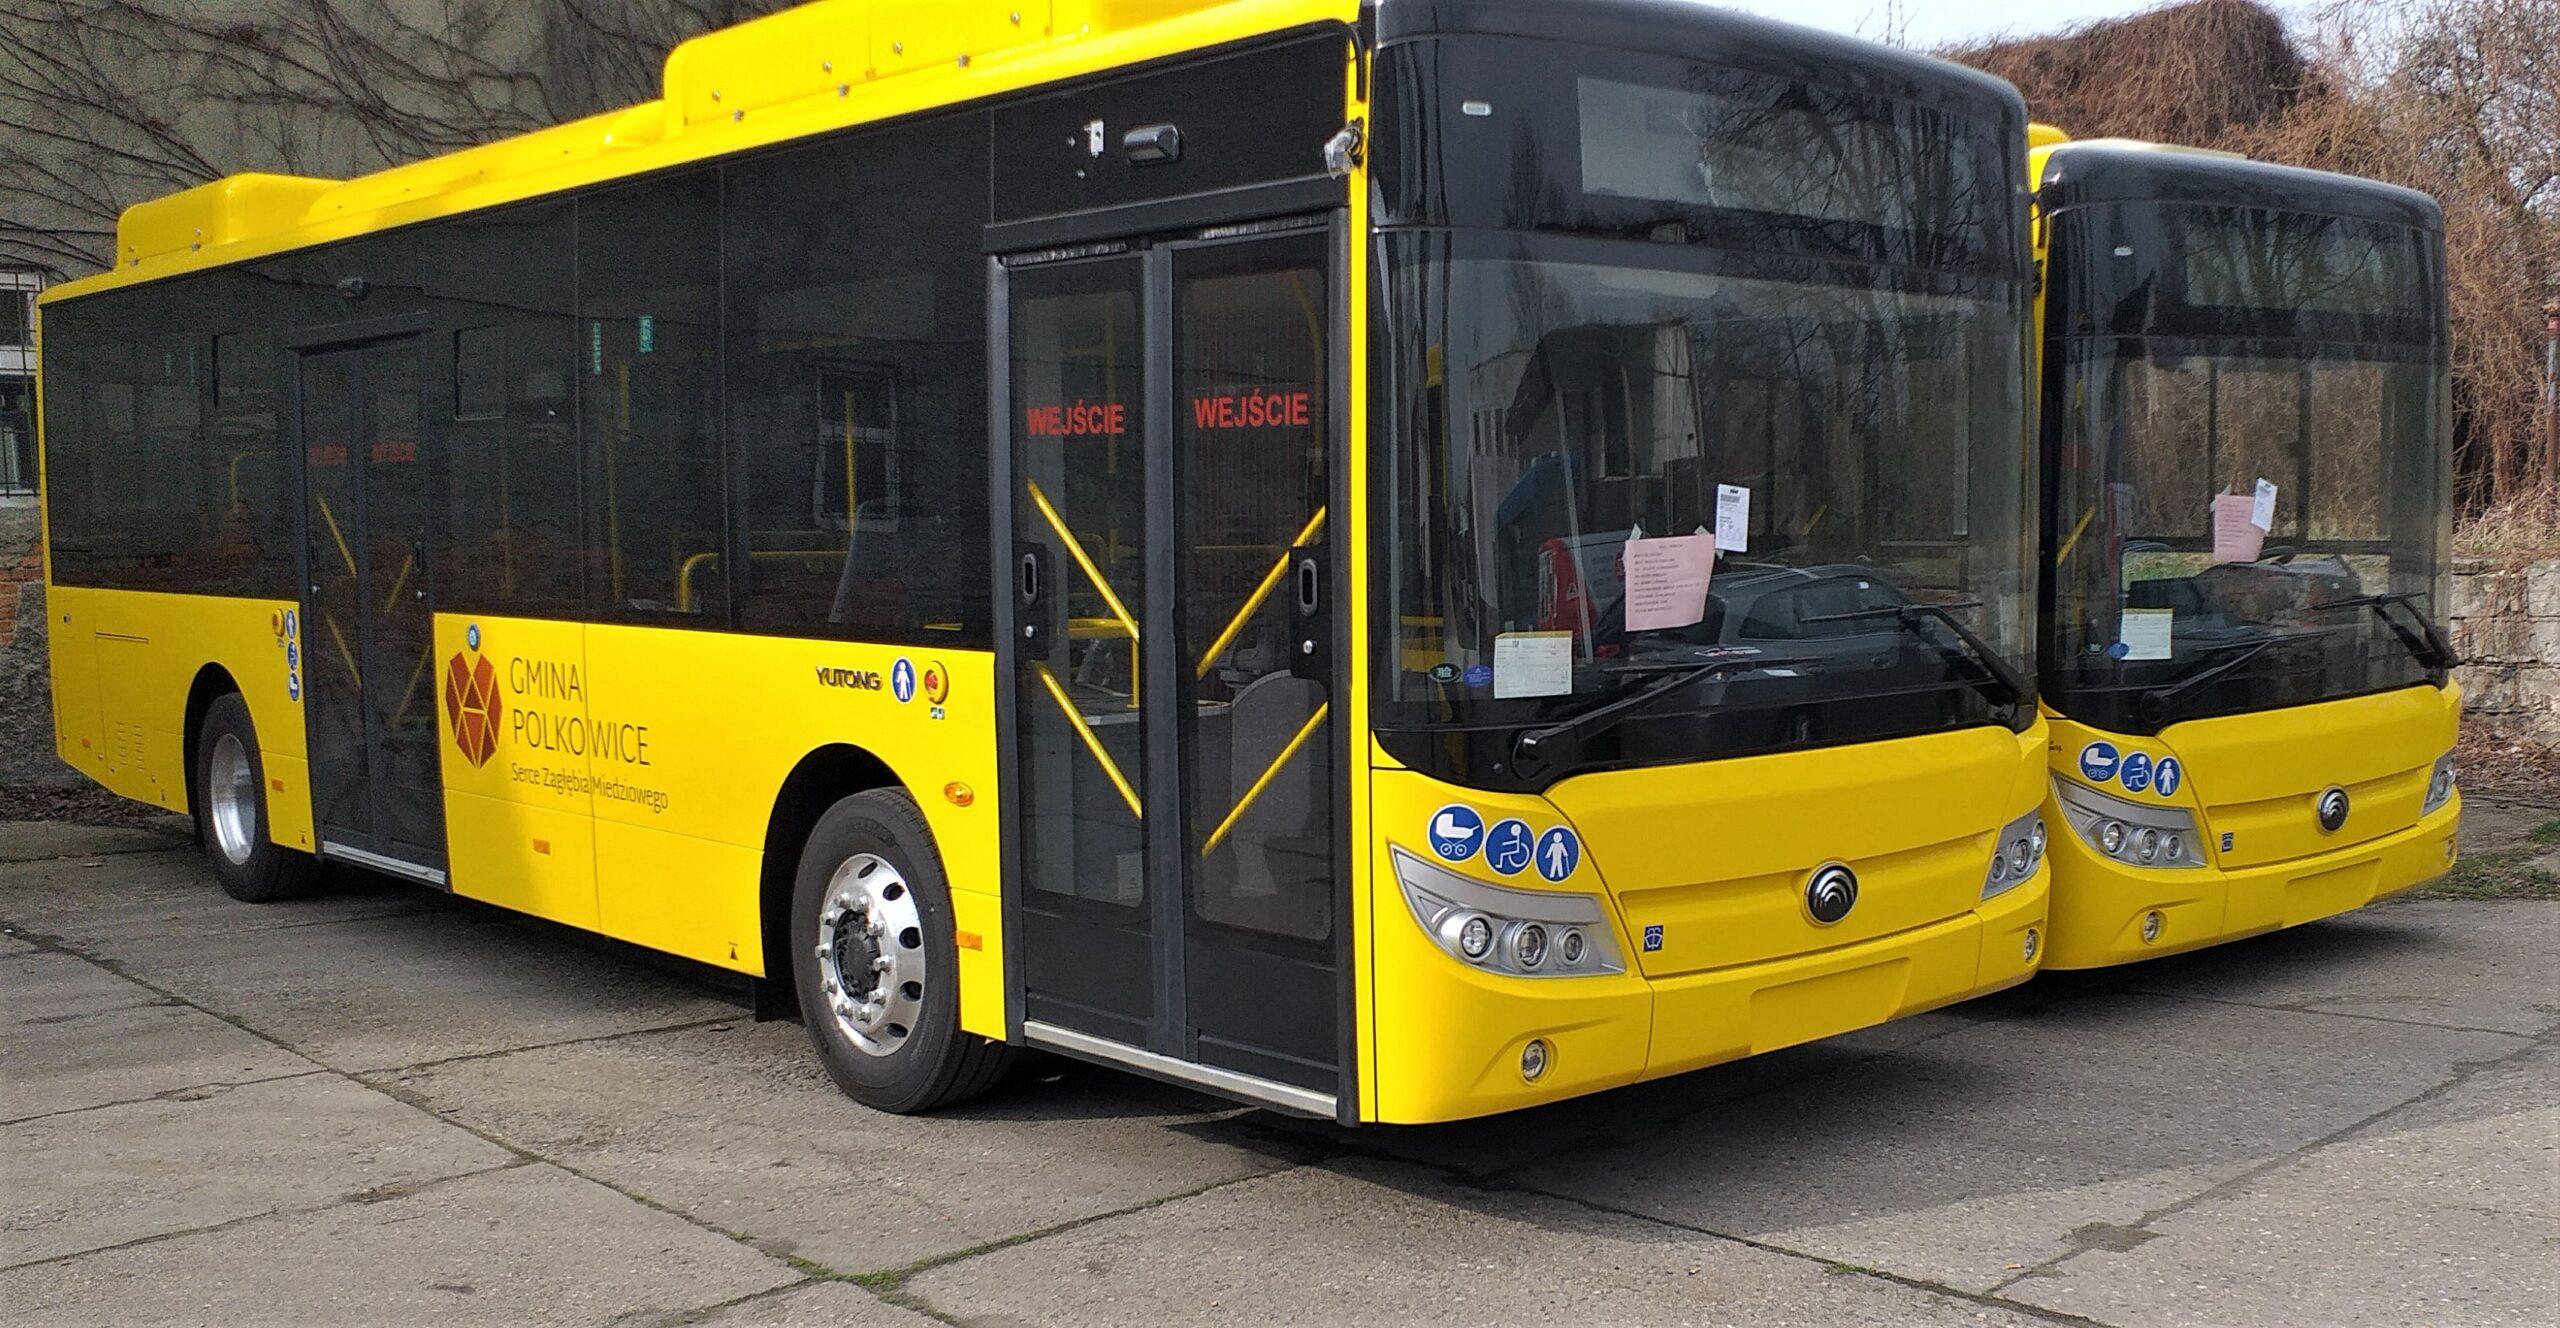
(1167, 789)
(299, 348)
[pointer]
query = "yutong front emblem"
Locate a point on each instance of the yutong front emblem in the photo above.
(2332, 809)
(1831, 893)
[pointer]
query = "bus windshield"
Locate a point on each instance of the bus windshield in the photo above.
(1576, 412)
(2250, 464)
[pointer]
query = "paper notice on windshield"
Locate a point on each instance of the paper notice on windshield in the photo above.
(2262, 508)
(1667, 582)
(1733, 518)
(2236, 537)
(1532, 664)
(2147, 633)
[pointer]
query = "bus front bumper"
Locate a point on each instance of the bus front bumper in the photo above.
(1451, 1039)
(2101, 908)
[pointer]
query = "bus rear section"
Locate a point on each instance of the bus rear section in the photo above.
(1700, 503)
(2245, 429)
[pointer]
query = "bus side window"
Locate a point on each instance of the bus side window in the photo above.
(508, 537)
(648, 310)
(857, 388)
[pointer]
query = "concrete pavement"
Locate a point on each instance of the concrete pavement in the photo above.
(384, 1106)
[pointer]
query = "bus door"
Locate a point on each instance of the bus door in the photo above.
(1175, 862)
(369, 633)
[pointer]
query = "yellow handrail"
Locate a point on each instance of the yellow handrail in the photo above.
(1261, 593)
(1092, 741)
(1254, 794)
(1075, 549)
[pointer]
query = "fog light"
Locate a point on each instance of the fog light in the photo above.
(2153, 923)
(2019, 856)
(1570, 948)
(2034, 943)
(2111, 837)
(2036, 839)
(1475, 936)
(2150, 845)
(1529, 946)
(1533, 1060)
(2177, 848)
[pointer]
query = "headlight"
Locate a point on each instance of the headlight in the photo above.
(2440, 786)
(2016, 856)
(2135, 834)
(1521, 933)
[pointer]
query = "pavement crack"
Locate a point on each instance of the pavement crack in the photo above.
(2309, 1008)
(281, 1211)
(1987, 1300)
(2463, 1072)
(367, 1076)
(185, 1093)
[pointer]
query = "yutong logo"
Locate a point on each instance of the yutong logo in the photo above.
(471, 702)
(859, 680)
(1831, 893)
(2332, 810)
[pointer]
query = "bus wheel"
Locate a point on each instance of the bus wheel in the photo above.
(875, 963)
(231, 811)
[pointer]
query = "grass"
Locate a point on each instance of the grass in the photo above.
(2513, 874)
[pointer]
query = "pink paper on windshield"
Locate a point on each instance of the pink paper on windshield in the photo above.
(2236, 537)
(1667, 581)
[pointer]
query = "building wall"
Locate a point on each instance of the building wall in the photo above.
(2506, 623)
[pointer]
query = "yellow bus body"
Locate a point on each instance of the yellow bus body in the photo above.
(654, 830)
(2250, 782)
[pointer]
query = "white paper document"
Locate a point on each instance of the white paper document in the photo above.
(2147, 633)
(1532, 664)
(2262, 508)
(1733, 518)
(2237, 537)
(1667, 582)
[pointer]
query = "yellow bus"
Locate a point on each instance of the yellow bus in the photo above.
(2247, 464)
(1394, 562)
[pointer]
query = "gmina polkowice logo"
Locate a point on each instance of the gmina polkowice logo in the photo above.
(471, 701)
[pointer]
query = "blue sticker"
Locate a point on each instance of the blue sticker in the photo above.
(1507, 847)
(1652, 938)
(902, 680)
(1479, 675)
(293, 655)
(1558, 854)
(2098, 761)
(293, 686)
(470, 635)
(292, 624)
(2119, 650)
(2166, 779)
(1456, 832)
(2137, 772)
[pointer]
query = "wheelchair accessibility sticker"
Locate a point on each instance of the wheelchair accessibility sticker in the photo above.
(1508, 845)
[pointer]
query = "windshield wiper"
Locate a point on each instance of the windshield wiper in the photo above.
(2006, 687)
(2427, 642)
(2157, 705)
(1531, 750)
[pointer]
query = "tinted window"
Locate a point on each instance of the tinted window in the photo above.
(17, 317)
(510, 473)
(857, 388)
(649, 320)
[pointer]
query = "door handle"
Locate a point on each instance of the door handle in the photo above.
(1031, 588)
(418, 565)
(1310, 625)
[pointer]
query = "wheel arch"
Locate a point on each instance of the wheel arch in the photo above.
(212, 683)
(822, 779)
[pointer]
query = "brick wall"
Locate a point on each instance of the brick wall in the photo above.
(2506, 622)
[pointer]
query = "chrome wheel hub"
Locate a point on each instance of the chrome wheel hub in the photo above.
(231, 800)
(871, 955)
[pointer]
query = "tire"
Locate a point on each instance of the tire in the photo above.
(231, 811)
(871, 888)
